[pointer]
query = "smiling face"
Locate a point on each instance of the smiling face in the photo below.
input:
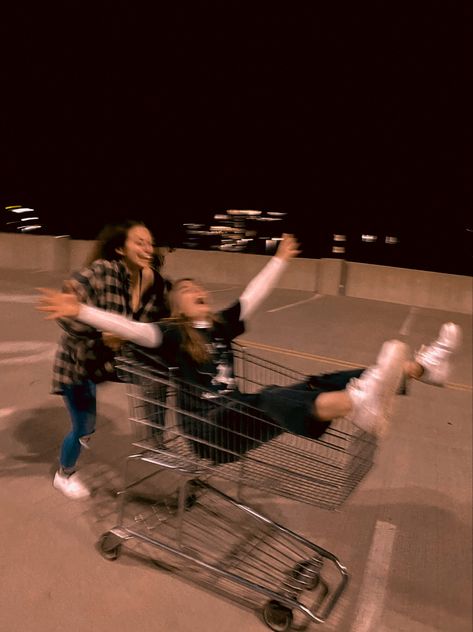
(191, 299)
(137, 251)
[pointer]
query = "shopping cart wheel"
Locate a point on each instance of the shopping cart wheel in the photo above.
(276, 616)
(108, 547)
(307, 573)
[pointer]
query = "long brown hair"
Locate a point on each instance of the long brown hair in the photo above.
(192, 342)
(113, 237)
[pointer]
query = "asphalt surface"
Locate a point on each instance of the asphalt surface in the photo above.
(404, 534)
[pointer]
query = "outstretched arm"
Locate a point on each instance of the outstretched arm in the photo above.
(259, 288)
(60, 305)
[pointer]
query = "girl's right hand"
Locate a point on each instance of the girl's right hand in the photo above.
(288, 247)
(58, 304)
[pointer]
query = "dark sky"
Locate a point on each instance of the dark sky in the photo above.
(341, 114)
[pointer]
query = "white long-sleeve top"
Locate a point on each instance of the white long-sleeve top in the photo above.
(150, 335)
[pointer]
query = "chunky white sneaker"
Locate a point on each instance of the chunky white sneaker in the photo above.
(436, 358)
(373, 393)
(71, 486)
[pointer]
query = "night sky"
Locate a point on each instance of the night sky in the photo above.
(350, 117)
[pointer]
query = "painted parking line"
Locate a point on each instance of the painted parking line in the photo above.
(25, 352)
(6, 412)
(298, 354)
(407, 324)
(373, 589)
(18, 298)
(224, 289)
(305, 300)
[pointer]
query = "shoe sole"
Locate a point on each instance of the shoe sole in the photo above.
(72, 496)
(391, 361)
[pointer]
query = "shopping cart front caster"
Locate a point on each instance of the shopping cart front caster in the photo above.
(108, 546)
(276, 616)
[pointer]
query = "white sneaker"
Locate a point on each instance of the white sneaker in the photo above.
(435, 358)
(373, 393)
(85, 442)
(70, 486)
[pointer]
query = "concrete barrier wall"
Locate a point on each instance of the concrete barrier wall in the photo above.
(80, 250)
(449, 292)
(34, 252)
(326, 276)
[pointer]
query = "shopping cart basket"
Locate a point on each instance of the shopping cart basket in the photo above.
(182, 427)
(188, 428)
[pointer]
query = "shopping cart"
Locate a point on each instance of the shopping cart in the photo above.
(202, 437)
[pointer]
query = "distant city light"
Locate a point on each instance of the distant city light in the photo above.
(391, 240)
(19, 209)
(24, 229)
(338, 250)
(218, 228)
(337, 237)
(243, 212)
(369, 238)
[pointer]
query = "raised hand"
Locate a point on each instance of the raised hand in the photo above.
(57, 304)
(288, 247)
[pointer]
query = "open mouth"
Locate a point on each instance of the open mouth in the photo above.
(200, 301)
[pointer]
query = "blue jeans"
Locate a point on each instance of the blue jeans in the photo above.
(81, 403)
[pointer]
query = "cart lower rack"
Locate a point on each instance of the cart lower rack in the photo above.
(209, 531)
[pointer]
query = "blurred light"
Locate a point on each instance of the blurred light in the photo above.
(391, 240)
(27, 219)
(61, 236)
(276, 213)
(337, 237)
(32, 227)
(220, 229)
(20, 209)
(243, 212)
(221, 217)
(369, 238)
(338, 250)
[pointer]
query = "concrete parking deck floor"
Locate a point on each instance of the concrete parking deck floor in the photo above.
(405, 534)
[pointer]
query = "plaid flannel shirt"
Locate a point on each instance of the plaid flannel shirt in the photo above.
(104, 284)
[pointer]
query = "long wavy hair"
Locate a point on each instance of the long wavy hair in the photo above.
(192, 342)
(113, 237)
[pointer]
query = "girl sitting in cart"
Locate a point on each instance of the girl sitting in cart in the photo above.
(198, 343)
